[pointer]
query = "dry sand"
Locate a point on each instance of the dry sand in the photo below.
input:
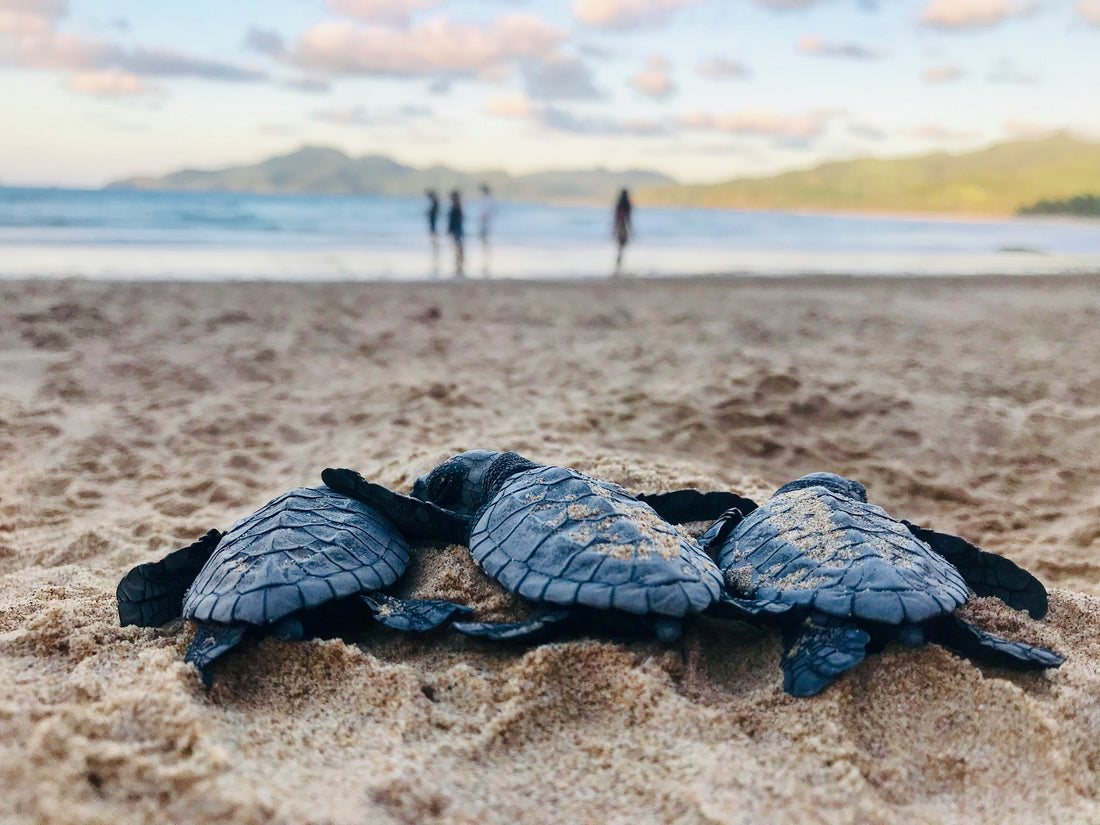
(135, 417)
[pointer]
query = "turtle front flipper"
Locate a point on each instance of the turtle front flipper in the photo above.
(152, 594)
(212, 639)
(975, 643)
(681, 506)
(819, 650)
(416, 519)
(418, 615)
(986, 573)
(506, 631)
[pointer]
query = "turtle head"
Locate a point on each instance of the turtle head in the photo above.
(459, 483)
(831, 482)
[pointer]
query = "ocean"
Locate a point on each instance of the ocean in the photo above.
(130, 235)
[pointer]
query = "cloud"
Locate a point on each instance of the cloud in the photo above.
(381, 11)
(38, 46)
(435, 46)
(344, 116)
(110, 83)
(265, 41)
(722, 69)
(811, 44)
(942, 74)
(1006, 71)
(1090, 10)
(761, 122)
(513, 105)
(653, 80)
(969, 14)
(628, 14)
(787, 4)
(935, 133)
(558, 78)
(310, 85)
(564, 121)
(1027, 130)
(866, 131)
(169, 63)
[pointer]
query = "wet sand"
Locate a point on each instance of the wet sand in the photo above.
(135, 417)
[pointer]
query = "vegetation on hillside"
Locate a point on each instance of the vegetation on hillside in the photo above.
(1082, 206)
(999, 180)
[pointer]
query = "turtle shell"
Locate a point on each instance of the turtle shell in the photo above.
(813, 548)
(300, 550)
(552, 534)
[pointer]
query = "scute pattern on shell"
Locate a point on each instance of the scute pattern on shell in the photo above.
(555, 535)
(813, 548)
(300, 550)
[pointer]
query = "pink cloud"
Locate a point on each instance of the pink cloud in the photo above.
(967, 14)
(812, 44)
(514, 105)
(654, 79)
(627, 14)
(377, 11)
(1090, 10)
(109, 83)
(439, 45)
(941, 74)
(761, 122)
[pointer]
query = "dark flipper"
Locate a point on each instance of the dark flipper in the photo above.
(987, 573)
(419, 615)
(513, 630)
(680, 506)
(819, 650)
(152, 594)
(715, 536)
(211, 641)
(748, 610)
(975, 643)
(415, 518)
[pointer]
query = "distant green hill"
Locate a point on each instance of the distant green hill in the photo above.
(1081, 206)
(319, 170)
(999, 180)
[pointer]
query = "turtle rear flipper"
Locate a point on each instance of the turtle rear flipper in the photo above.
(212, 639)
(681, 506)
(986, 573)
(416, 519)
(152, 594)
(818, 651)
(748, 610)
(418, 615)
(975, 643)
(505, 631)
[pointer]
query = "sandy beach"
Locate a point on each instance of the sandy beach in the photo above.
(134, 417)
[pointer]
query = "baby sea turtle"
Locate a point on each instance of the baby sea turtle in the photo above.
(841, 574)
(558, 537)
(281, 567)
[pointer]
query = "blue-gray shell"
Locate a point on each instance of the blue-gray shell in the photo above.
(554, 535)
(300, 550)
(813, 548)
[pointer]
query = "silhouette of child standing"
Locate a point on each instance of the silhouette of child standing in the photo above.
(455, 230)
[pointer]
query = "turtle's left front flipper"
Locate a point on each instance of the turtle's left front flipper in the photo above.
(681, 506)
(418, 615)
(986, 573)
(416, 519)
(975, 643)
(819, 650)
(152, 594)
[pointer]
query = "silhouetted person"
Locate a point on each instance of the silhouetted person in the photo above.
(454, 229)
(485, 221)
(433, 220)
(622, 228)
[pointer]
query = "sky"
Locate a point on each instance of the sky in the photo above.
(703, 90)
